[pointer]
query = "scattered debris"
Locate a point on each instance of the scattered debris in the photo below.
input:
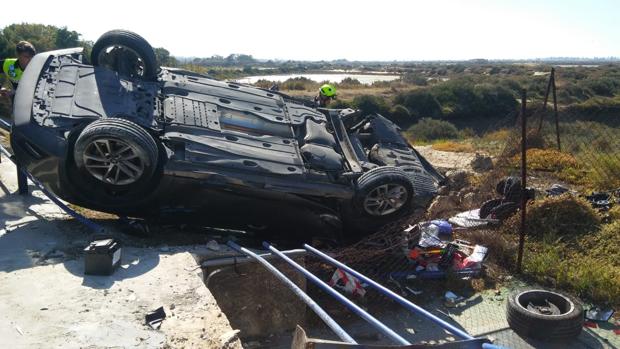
(443, 204)
(213, 245)
(451, 299)
(155, 318)
(590, 324)
(471, 219)
(457, 179)
(433, 253)
(347, 282)
(481, 163)
(102, 256)
(413, 292)
(229, 337)
(600, 201)
(556, 189)
(598, 314)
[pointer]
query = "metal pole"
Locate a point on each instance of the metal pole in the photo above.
(542, 115)
(87, 222)
(404, 302)
(298, 292)
(352, 306)
(555, 111)
(523, 177)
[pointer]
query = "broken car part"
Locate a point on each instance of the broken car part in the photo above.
(339, 297)
(102, 256)
(333, 325)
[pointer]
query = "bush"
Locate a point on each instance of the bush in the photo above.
(546, 160)
(466, 99)
(604, 86)
(340, 104)
(420, 103)
(298, 83)
(369, 104)
(430, 129)
(555, 216)
(415, 79)
(401, 116)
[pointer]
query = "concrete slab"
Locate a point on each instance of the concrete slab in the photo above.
(47, 302)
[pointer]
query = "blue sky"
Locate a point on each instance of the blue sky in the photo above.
(362, 29)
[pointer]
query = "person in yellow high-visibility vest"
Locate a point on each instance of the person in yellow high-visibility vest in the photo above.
(13, 68)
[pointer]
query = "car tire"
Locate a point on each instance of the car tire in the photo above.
(116, 152)
(488, 206)
(384, 192)
(504, 210)
(565, 321)
(129, 40)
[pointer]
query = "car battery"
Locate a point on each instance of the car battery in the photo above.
(102, 257)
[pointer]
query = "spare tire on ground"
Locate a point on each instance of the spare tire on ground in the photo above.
(543, 314)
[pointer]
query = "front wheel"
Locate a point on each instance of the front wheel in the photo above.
(384, 192)
(127, 53)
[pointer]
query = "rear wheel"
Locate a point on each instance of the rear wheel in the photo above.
(116, 152)
(127, 53)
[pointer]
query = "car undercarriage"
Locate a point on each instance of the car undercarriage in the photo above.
(166, 143)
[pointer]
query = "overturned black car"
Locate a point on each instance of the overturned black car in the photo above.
(122, 135)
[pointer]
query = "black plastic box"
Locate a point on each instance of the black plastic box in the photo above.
(102, 257)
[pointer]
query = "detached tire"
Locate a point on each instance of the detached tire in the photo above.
(116, 152)
(131, 41)
(384, 192)
(544, 315)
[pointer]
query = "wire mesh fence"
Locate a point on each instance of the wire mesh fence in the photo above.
(572, 195)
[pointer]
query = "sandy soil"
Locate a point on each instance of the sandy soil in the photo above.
(46, 301)
(446, 160)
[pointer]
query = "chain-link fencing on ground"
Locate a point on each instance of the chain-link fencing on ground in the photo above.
(573, 162)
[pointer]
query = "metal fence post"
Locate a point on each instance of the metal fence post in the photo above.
(523, 177)
(22, 181)
(555, 111)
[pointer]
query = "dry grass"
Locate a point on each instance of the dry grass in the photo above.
(456, 147)
(546, 160)
(557, 216)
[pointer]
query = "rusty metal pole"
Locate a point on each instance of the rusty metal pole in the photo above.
(555, 111)
(544, 109)
(523, 177)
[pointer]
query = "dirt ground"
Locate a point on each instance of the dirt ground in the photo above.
(47, 301)
(446, 160)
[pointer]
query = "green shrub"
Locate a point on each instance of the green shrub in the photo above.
(430, 129)
(401, 116)
(370, 104)
(340, 104)
(420, 103)
(298, 83)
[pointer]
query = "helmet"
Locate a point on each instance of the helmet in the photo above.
(25, 47)
(327, 90)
